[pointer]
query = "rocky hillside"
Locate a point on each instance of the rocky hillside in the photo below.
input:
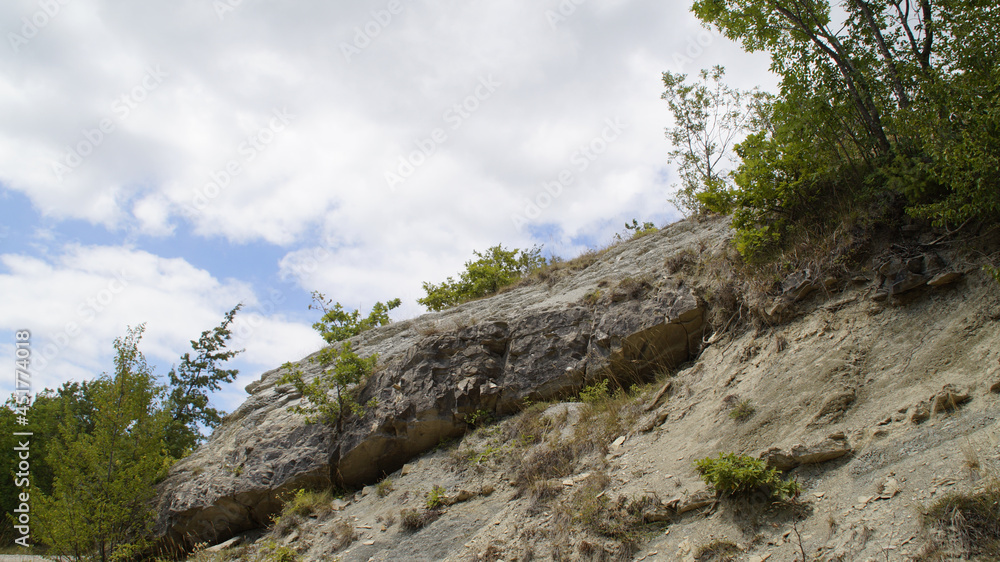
(874, 387)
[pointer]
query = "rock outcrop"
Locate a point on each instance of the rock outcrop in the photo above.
(833, 447)
(532, 343)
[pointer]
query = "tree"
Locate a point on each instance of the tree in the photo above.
(100, 507)
(192, 380)
(337, 324)
(493, 270)
(343, 370)
(880, 102)
(709, 117)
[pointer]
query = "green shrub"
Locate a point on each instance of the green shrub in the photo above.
(743, 475)
(635, 231)
(742, 410)
(309, 502)
(596, 392)
(349, 369)
(493, 270)
(436, 497)
(271, 551)
(479, 418)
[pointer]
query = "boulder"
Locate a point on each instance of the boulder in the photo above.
(833, 447)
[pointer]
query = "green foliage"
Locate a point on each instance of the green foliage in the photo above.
(349, 371)
(709, 117)
(742, 475)
(493, 270)
(742, 410)
(191, 382)
(436, 497)
(881, 105)
(635, 230)
(100, 506)
(597, 392)
(993, 272)
(480, 418)
(271, 551)
(309, 502)
(343, 369)
(338, 325)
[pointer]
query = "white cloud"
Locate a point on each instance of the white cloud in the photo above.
(165, 120)
(76, 304)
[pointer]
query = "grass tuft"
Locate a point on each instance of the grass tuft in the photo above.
(965, 525)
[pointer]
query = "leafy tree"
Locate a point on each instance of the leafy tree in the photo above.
(877, 100)
(338, 325)
(493, 270)
(709, 117)
(100, 505)
(192, 380)
(343, 372)
(343, 369)
(72, 404)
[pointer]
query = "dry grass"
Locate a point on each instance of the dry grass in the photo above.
(342, 534)
(413, 520)
(631, 288)
(384, 488)
(718, 551)
(590, 508)
(965, 525)
(303, 504)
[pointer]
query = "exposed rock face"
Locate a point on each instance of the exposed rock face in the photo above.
(535, 342)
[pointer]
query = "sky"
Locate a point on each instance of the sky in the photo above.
(162, 161)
